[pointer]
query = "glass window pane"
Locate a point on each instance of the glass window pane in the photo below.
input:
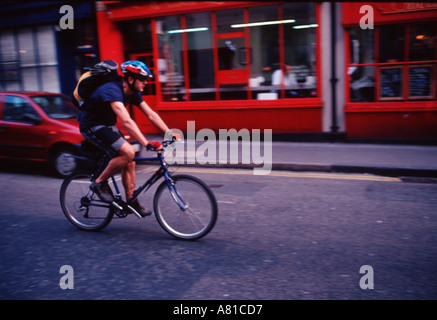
(300, 50)
(264, 42)
(170, 63)
(228, 19)
(231, 41)
(30, 79)
(137, 35)
(50, 78)
(391, 82)
(361, 46)
(26, 49)
(200, 56)
(9, 75)
(391, 43)
(362, 83)
(423, 42)
(46, 46)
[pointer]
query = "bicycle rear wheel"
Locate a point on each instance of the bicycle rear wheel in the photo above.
(186, 210)
(81, 206)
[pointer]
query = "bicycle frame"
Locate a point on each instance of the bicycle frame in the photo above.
(162, 171)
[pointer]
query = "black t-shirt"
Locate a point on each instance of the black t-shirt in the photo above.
(98, 110)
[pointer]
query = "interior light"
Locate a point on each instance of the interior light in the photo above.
(188, 30)
(306, 26)
(264, 23)
(420, 37)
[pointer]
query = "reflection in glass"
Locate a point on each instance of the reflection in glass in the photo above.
(362, 83)
(423, 42)
(170, 63)
(361, 46)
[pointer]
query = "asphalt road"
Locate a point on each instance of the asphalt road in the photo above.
(280, 237)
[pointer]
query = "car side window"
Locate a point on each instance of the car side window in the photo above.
(18, 109)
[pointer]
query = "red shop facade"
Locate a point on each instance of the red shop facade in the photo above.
(297, 68)
(219, 63)
(391, 71)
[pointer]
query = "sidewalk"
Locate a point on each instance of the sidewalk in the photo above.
(379, 159)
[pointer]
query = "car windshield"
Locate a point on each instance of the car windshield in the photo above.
(56, 106)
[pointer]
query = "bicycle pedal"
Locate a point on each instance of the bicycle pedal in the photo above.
(116, 205)
(135, 212)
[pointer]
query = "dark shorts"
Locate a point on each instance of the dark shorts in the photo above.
(107, 138)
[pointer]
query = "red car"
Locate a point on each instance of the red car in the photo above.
(39, 127)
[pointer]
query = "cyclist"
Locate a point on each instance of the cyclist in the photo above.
(97, 124)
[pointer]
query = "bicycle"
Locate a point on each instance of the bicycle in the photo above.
(184, 206)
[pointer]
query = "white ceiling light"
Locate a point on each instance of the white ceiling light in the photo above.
(264, 23)
(188, 30)
(306, 26)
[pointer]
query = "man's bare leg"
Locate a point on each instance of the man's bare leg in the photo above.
(126, 155)
(128, 178)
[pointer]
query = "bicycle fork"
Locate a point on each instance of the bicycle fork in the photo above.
(175, 194)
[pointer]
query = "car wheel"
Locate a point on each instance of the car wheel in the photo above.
(63, 162)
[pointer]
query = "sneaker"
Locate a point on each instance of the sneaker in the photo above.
(140, 209)
(102, 191)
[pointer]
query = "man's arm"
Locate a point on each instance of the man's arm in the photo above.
(154, 118)
(128, 123)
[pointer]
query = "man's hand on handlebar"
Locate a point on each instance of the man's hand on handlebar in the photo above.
(154, 146)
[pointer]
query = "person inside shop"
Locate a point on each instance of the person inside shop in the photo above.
(284, 76)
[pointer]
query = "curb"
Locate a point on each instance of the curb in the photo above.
(381, 171)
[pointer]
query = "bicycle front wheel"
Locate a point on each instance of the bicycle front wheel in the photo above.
(187, 209)
(81, 206)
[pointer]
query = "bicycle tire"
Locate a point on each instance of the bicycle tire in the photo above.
(81, 206)
(201, 212)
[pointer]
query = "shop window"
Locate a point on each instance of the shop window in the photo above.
(300, 50)
(401, 70)
(362, 75)
(391, 43)
(200, 56)
(239, 54)
(170, 61)
(265, 58)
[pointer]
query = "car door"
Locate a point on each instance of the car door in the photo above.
(17, 123)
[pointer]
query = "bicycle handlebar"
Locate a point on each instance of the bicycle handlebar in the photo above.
(153, 146)
(166, 143)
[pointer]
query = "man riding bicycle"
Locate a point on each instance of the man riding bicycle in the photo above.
(97, 124)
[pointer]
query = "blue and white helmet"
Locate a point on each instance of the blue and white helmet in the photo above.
(135, 68)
